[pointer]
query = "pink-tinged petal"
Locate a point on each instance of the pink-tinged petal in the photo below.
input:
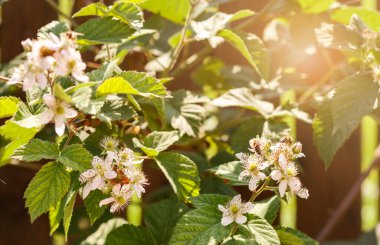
(248, 206)
(46, 116)
(27, 84)
(252, 184)
(88, 174)
(70, 113)
(86, 190)
(96, 160)
(294, 184)
(59, 127)
(115, 207)
(282, 161)
(49, 100)
(106, 201)
(243, 174)
(42, 80)
(227, 220)
(96, 182)
(282, 187)
(241, 219)
(110, 174)
(80, 76)
(116, 189)
(276, 174)
(303, 193)
(222, 208)
(240, 156)
(236, 199)
(262, 175)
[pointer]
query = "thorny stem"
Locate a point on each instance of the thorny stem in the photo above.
(262, 188)
(178, 49)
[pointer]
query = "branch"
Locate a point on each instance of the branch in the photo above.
(348, 199)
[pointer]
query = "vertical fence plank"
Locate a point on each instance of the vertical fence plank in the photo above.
(288, 213)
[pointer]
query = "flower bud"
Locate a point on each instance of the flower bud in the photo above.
(297, 148)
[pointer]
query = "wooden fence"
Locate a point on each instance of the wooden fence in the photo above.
(22, 18)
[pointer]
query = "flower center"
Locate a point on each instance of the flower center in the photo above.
(121, 200)
(59, 110)
(234, 209)
(252, 166)
(291, 172)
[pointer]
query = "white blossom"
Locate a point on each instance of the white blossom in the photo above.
(96, 177)
(109, 144)
(126, 157)
(137, 180)
(253, 165)
(234, 211)
(120, 197)
(58, 111)
(286, 175)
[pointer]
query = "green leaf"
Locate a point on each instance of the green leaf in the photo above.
(103, 30)
(239, 240)
(17, 136)
(247, 130)
(173, 10)
(200, 226)
(99, 236)
(60, 93)
(128, 13)
(243, 97)
(65, 206)
(185, 112)
(370, 17)
(104, 72)
(98, 9)
(55, 27)
(263, 232)
(157, 141)
(129, 235)
(84, 100)
(161, 218)
(46, 189)
(267, 209)
(36, 150)
(114, 109)
(8, 106)
(252, 48)
(68, 214)
(132, 82)
(213, 184)
(315, 7)
(287, 235)
(230, 171)
(91, 202)
(340, 115)
(181, 172)
(75, 156)
(205, 200)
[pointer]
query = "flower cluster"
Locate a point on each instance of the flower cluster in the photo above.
(116, 174)
(274, 160)
(47, 58)
(234, 210)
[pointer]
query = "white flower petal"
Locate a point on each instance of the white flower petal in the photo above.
(248, 206)
(227, 220)
(282, 187)
(110, 174)
(116, 189)
(88, 174)
(276, 174)
(252, 184)
(222, 208)
(59, 126)
(70, 113)
(46, 116)
(241, 219)
(86, 190)
(282, 161)
(96, 182)
(243, 174)
(49, 100)
(106, 201)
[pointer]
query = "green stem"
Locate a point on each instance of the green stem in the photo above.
(234, 230)
(262, 188)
